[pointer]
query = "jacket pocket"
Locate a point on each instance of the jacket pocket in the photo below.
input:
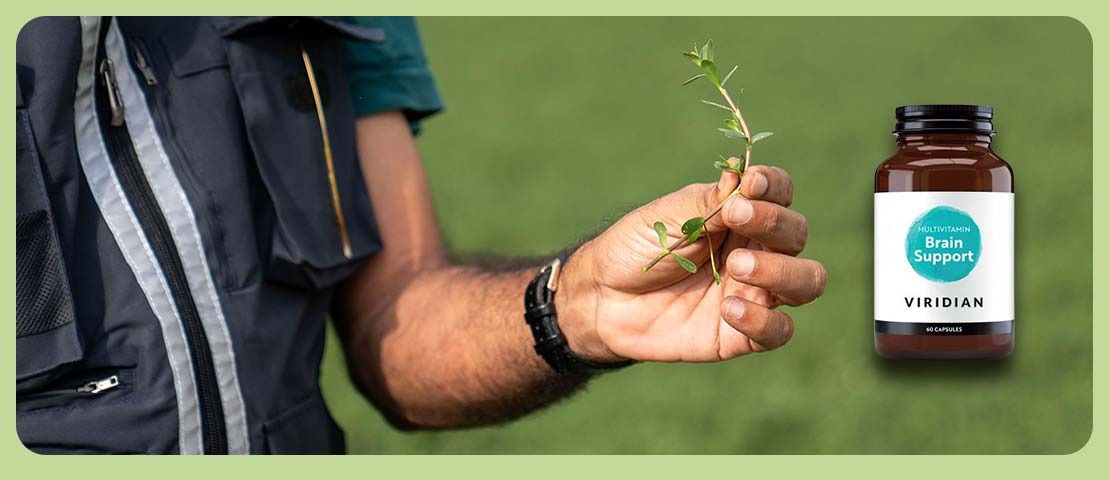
(47, 338)
(76, 388)
(191, 47)
(292, 87)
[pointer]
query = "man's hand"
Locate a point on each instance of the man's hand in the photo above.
(610, 309)
(435, 344)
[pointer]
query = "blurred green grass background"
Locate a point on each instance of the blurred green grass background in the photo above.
(555, 126)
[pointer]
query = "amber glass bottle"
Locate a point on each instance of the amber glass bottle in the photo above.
(944, 233)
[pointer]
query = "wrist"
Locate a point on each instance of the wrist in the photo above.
(576, 300)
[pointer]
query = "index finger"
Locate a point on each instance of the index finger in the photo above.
(764, 182)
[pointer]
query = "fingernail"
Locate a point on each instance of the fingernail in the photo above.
(759, 185)
(734, 308)
(739, 210)
(741, 264)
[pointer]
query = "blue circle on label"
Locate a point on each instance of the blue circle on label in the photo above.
(943, 244)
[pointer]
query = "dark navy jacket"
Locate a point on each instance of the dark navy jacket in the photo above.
(179, 234)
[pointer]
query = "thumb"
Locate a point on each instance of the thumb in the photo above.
(714, 197)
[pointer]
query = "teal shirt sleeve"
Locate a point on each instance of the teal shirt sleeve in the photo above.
(393, 74)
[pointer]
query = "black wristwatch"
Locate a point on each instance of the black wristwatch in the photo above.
(551, 344)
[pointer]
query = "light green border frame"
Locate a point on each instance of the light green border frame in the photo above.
(1093, 457)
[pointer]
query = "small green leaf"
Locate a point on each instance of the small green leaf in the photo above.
(761, 135)
(731, 123)
(729, 75)
(691, 80)
(692, 225)
(685, 263)
(715, 104)
(723, 165)
(661, 229)
(693, 56)
(710, 70)
(707, 50)
(712, 260)
(731, 133)
(692, 229)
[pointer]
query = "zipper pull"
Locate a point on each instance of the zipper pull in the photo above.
(100, 385)
(115, 100)
(143, 66)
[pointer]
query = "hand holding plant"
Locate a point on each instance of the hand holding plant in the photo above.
(618, 299)
(735, 128)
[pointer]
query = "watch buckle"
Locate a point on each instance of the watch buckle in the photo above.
(553, 279)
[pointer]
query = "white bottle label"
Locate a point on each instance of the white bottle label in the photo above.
(944, 263)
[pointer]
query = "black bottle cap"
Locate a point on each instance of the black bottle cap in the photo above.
(944, 118)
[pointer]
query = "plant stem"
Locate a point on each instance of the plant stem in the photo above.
(743, 126)
(735, 110)
(712, 260)
(682, 241)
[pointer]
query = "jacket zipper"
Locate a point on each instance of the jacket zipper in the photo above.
(97, 386)
(157, 97)
(117, 138)
(143, 66)
(111, 91)
(328, 163)
(92, 388)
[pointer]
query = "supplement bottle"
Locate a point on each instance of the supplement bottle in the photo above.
(944, 238)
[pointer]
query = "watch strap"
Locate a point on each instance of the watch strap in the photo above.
(550, 343)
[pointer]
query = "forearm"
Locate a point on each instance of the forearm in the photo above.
(453, 350)
(431, 343)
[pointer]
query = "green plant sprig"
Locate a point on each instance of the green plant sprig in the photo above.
(735, 128)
